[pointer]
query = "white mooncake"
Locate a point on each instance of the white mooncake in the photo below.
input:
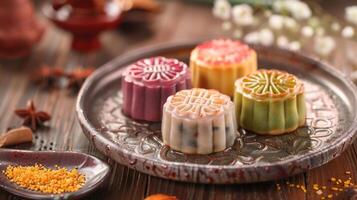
(199, 121)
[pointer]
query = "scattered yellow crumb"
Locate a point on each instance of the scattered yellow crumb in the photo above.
(336, 186)
(347, 183)
(46, 180)
(319, 192)
(303, 189)
(315, 187)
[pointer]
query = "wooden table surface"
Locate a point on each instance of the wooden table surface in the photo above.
(178, 21)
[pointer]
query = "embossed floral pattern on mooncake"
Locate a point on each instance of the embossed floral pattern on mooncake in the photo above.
(216, 64)
(270, 102)
(147, 83)
(199, 121)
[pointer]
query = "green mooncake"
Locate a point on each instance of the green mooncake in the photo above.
(270, 102)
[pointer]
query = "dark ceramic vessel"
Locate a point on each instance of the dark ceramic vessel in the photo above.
(94, 169)
(331, 123)
(84, 19)
(19, 28)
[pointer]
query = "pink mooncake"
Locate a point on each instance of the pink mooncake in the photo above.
(147, 84)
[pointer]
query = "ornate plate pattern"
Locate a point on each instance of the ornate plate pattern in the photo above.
(330, 127)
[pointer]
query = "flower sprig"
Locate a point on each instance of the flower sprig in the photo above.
(289, 24)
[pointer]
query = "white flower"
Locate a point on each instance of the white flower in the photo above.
(266, 37)
(348, 32)
(243, 15)
(307, 31)
(252, 38)
(324, 45)
(335, 26)
(238, 33)
(290, 23)
(280, 6)
(294, 45)
(351, 14)
(276, 22)
(298, 9)
(282, 42)
(226, 26)
(222, 9)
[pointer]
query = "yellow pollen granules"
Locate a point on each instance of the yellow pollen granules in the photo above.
(303, 189)
(45, 180)
(319, 192)
(324, 192)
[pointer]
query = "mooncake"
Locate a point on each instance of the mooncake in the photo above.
(199, 121)
(147, 83)
(270, 102)
(216, 64)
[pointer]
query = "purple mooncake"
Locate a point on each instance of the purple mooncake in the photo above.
(147, 84)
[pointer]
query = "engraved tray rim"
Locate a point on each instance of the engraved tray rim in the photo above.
(110, 149)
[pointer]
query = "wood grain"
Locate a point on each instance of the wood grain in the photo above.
(178, 21)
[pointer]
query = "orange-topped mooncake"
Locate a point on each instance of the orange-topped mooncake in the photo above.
(216, 64)
(199, 121)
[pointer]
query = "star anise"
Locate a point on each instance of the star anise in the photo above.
(47, 76)
(32, 118)
(77, 77)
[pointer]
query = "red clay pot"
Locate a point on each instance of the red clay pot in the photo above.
(84, 19)
(19, 28)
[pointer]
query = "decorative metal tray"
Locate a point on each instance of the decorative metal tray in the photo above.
(330, 126)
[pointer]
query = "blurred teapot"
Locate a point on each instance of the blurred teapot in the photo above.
(85, 19)
(19, 28)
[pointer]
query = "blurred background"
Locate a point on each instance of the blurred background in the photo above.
(75, 37)
(322, 28)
